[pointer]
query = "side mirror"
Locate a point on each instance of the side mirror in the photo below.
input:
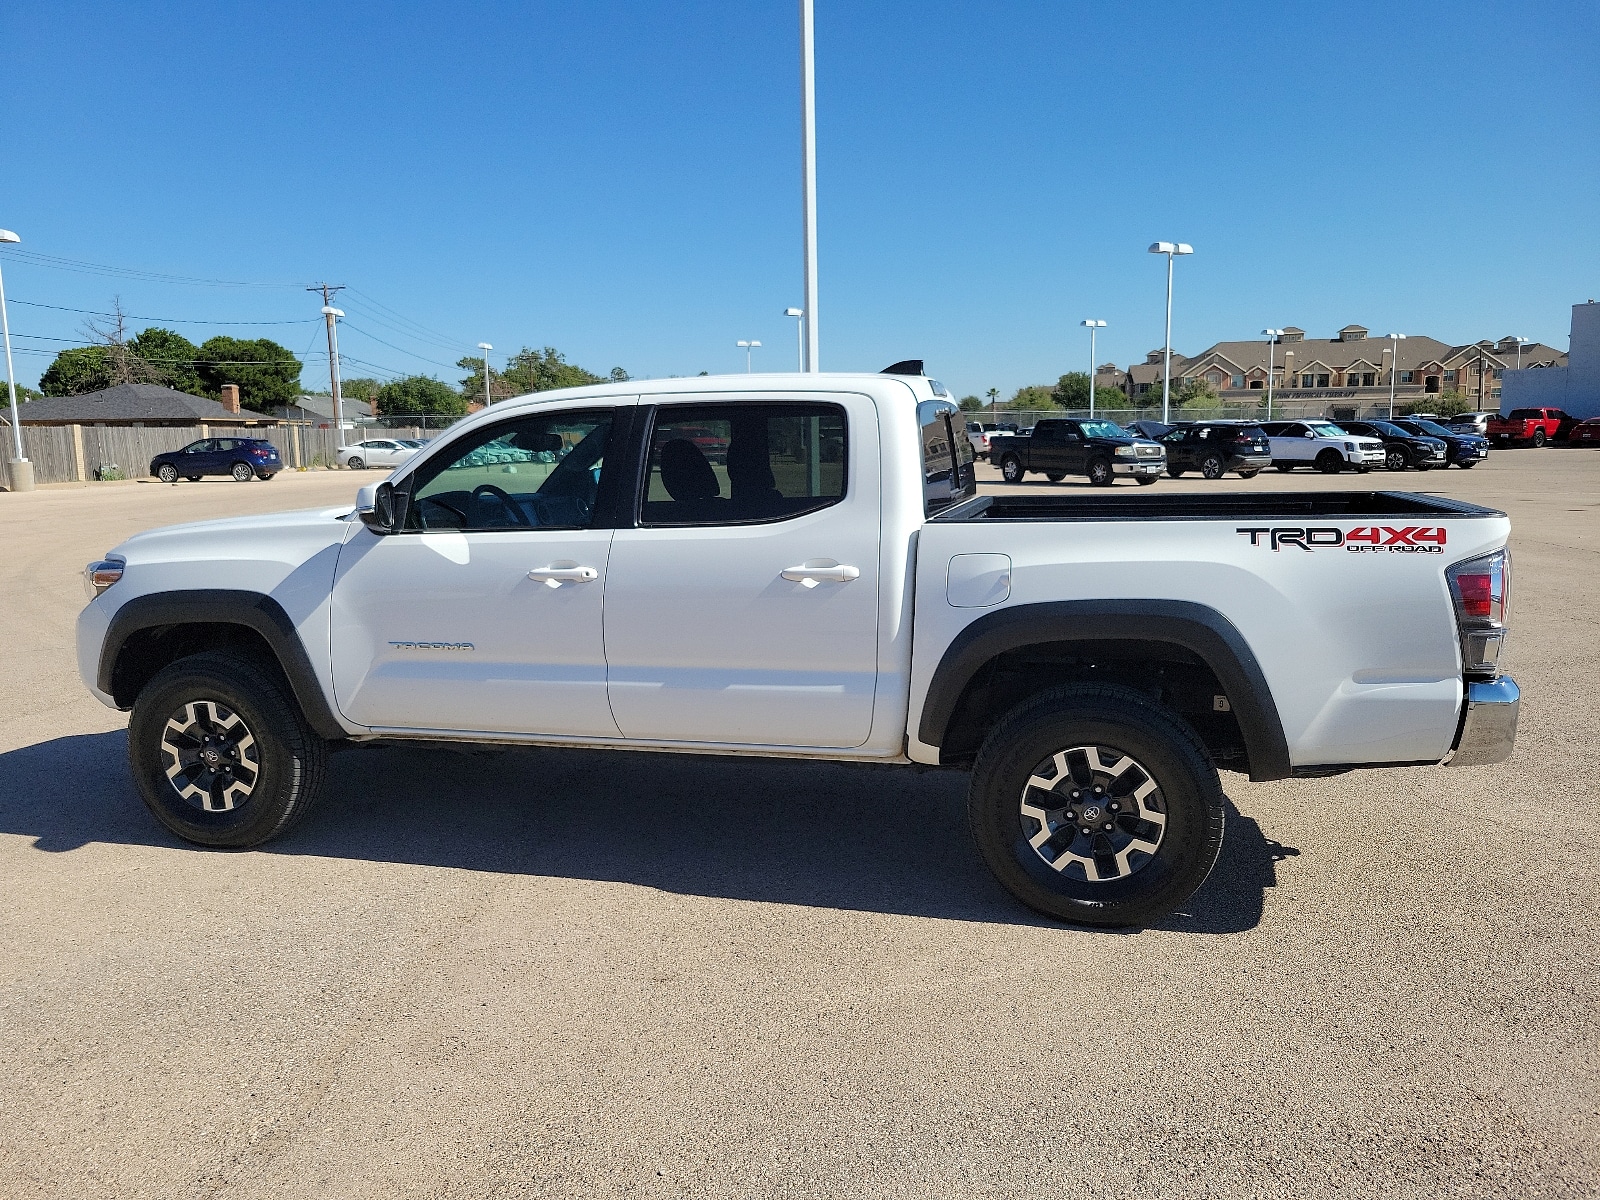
(1309, 434)
(382, 509)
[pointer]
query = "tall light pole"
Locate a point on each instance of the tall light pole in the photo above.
(21, 473)
(1092, 326)
(331, 315)
(487, 398)
(1394, 367)
(1169, 249)
(1272, 336)
(747, 347)
(808, 182)
(799, 314)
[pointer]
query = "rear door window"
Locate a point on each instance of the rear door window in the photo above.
(745, 463)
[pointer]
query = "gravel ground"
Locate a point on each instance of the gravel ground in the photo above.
(581, 974)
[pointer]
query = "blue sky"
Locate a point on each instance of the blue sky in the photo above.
(621, 180)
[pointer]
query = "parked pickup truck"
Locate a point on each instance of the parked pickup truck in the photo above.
(1062, 446)
(831, 588)
(1535, 426)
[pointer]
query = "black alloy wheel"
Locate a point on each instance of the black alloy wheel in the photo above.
(1010, 468)
(1394, 458)
(167, 473)
(1212, 466)
(221, 753)
(1329, 462)
(1100, 472)
(1539, 438)
(1091, 803)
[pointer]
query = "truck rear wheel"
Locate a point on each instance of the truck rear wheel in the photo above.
(1092, 804)
(221, 753)
(1011, 469)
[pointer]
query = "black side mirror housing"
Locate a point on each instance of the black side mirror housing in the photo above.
(388, 511)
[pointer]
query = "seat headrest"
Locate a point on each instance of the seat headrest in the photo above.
(685, 473)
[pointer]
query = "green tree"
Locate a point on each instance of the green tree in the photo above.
(173, 356)
(533, 371)
(361, 389)
(24, 394)
(1110, 397)
(1071, 390)
(1030, 399)
(1197, 392)
(76, 371)
(418, 396)
(971, 404)
(267, 374)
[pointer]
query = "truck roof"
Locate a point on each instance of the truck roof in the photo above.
(872, 383)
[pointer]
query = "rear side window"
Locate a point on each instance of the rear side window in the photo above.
(1526, 414)
(948, 475)
(743, 464)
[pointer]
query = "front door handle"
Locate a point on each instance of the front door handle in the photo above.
(837, 573)
(556, 576)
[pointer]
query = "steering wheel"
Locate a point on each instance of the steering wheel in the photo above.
(511, 507)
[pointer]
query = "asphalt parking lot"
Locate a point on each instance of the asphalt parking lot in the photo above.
(580, 974)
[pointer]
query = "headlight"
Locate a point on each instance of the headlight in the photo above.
(1126, 452)
(1350, 447)
(98, 576)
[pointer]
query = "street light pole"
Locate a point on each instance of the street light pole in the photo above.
(487, 398)
(1394, 367)
(747, 347)
(1170, 249)
(20, 476)
(799, 314)
(808, 181)
(1092, 326)
(1272, 345)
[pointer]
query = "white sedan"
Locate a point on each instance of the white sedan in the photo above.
(378, 452)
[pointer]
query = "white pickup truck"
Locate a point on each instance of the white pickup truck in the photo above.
(799, 566)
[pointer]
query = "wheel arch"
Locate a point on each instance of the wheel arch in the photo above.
(149, 632)
(1184, 646)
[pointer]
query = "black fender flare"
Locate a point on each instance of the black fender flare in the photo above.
(224, 606)
(1198, 628)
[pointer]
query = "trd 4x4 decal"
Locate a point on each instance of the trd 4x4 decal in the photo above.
(1363, 539)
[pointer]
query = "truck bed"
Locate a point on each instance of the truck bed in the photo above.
(1198, 506)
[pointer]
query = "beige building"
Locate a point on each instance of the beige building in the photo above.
(1350, 366)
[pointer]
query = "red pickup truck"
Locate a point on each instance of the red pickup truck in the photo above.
(1535, 426)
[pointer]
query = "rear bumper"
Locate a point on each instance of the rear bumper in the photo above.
(1489, 727)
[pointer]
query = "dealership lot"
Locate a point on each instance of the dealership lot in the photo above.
(565, 974)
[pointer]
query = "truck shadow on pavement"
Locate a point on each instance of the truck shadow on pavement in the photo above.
(833, 835)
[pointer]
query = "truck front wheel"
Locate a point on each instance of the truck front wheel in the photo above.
(1538, 438)
(221, 753)
(1100, 473)
(1092, 804)
(1011, 469)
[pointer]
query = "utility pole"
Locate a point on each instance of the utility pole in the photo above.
(329, 314)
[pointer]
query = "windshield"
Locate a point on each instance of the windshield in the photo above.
(1103, 429)
(1391, 430)
(1433, 427)
(1326, 429)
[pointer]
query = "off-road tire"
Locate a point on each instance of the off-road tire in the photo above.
(1329, 462)
(1010, 468)
(1539, 439)
(1212, 466)
(243, 472)
(167, 473)
(291, 758)
(1165, 749)
(1100, 472)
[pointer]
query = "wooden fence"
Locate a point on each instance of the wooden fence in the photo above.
(68, 453)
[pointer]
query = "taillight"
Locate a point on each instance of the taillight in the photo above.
(1481, 589)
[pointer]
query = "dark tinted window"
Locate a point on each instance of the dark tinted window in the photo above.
(539, 472)
(736, 464)
(1526, 414)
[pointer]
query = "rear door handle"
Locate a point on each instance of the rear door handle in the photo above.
(556, 576)
(839, 573)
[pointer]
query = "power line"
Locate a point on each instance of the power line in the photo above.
(445, 337)
(392, 346)
(131, 317)
(87, 268)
